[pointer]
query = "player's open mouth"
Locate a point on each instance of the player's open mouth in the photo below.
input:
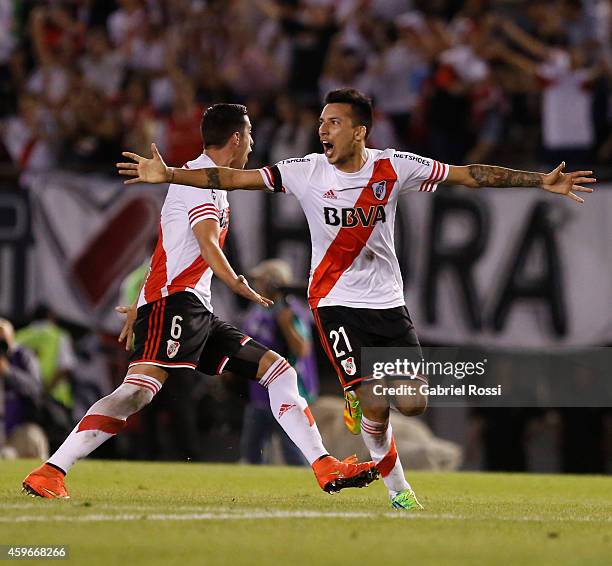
(328, 148)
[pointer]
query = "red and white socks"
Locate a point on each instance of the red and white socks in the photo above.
(291, 410)
(107, 416)
(105, 419)
(378, 437)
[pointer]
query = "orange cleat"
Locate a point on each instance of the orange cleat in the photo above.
(334, 475)
(45, 481)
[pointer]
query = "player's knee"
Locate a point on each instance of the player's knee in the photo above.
(378, 412)
(132, 398)
(140, 398)
(412, 405)
(266, 362)
(374, 407)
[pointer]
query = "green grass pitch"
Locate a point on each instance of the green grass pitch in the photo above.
(147, 513)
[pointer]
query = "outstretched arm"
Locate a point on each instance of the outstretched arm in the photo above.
(524, 64)
(476, 176)
(154, 170)
(207, 233)
(525, 40)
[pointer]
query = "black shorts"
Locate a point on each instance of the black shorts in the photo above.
(179, 332)
(345, 330)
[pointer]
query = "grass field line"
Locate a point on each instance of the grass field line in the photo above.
(45, 505)
(253, 514)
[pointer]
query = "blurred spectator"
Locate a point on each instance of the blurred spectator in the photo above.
(263, 132)
(576, 21)
(247, 68)
(7, 36)
(147, 49)
(53, 346)
(125, 23)
(102, 67)
(296, 131)
(8, 43)
(488, 114)
(460, 70)
(284, 329)
(343, 67)
(29, 136)
(566, 79)
(138, 121)
(21, 390)
(399, 72)
(56, 37)
(310, 28)
(89, 126)
(383, 133)
(182, 141)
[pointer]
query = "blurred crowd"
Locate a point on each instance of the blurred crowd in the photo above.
(463, 81)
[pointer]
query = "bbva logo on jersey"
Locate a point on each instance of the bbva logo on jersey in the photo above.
(379, 189)
(351, 217)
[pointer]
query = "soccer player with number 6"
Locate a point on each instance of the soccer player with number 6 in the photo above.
(173, 325)
(349, 195)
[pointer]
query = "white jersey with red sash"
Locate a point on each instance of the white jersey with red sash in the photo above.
(351, 217)
(177, 264)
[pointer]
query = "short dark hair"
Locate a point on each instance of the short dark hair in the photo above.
(220, 121)
(361, 105)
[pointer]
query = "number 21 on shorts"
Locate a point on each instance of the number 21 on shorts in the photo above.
(336, 336)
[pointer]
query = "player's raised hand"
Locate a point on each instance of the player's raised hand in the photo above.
(242, 288)
(568, 184)
(127, 332)
(145, 170)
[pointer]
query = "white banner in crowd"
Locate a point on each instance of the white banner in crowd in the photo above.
(506, 267)
(509, 267)
(89, 233)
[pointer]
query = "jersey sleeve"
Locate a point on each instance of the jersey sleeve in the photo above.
(290, 176)
(201, 204)
(416, 173)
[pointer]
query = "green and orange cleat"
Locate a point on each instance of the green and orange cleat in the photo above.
(45, 481)
(406, 499)
(334, 475)
(352, 412)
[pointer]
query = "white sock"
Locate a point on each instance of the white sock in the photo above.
(105, 419)
(291, 410)
(378, 437)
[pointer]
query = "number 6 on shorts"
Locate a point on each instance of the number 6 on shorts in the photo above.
(175, 329)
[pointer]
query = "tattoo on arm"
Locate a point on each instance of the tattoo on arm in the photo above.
(212, 178)
(490, 176)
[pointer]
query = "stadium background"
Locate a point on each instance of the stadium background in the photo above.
(82, 80)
